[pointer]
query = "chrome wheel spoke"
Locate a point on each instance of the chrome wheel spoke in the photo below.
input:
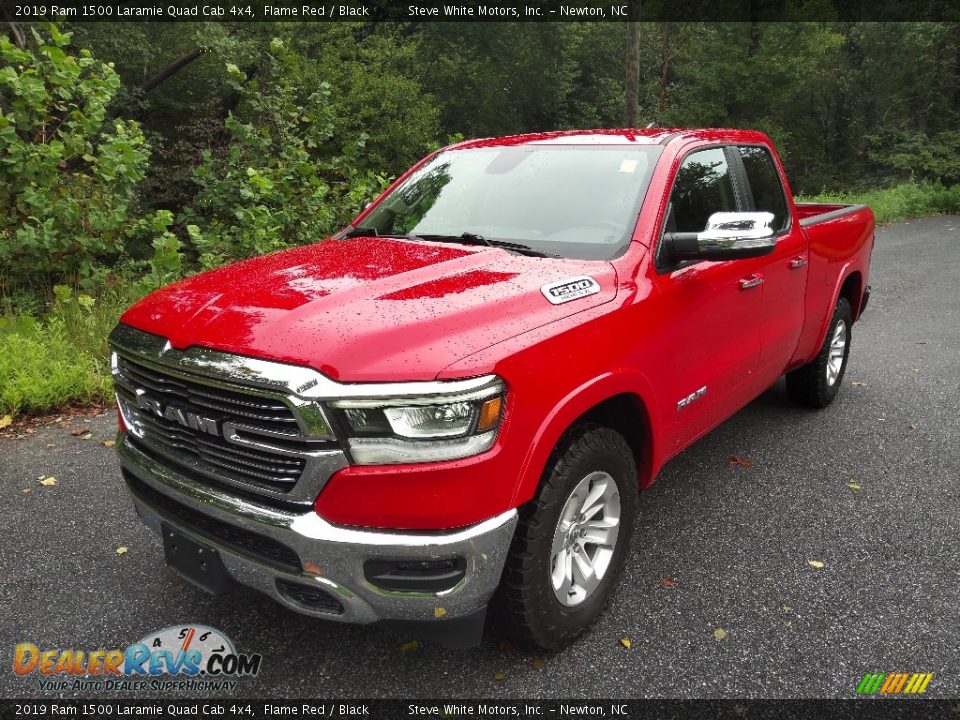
(601, 533)
(584, 574)
(559, 544)
(562, 575)
(597, 490)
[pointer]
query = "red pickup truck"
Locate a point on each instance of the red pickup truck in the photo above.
(455, 401)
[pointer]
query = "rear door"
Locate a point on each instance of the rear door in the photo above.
(784, 270)
(708, 321)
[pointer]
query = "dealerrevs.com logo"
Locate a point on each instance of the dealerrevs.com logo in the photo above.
(191, 657)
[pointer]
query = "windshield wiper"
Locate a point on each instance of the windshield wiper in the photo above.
(371, 232)
(469, 238)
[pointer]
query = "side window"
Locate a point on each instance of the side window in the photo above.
(765, 184)
(702, 187)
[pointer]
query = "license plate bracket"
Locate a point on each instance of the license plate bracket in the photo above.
(195, 561)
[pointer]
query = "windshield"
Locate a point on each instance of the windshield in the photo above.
(571, 201)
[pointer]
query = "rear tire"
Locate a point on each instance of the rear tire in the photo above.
(817, 383)
(571, 540)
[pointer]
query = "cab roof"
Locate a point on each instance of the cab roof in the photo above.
(623, 136)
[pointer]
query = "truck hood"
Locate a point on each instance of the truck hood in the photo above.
(368, 309)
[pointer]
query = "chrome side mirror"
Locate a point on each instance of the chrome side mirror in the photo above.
(728, 236)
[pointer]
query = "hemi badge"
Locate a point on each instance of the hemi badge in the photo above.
(570, 289)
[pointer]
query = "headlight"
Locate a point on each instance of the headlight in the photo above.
(425, 428)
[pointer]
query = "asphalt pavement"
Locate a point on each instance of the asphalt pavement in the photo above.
(719, 597)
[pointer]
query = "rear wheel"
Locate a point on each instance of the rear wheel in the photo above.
(817, 383)
(571, 541)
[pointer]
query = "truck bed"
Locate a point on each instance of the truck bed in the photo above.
(840, 239)
(813, 213)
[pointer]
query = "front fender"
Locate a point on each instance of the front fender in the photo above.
(576, 403)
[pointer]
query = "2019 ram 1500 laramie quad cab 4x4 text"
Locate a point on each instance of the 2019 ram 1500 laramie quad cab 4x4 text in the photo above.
(455, 401)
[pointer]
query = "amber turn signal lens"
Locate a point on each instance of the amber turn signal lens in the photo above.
(489, 414)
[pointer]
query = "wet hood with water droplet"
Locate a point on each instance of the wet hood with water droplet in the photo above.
(367, 309)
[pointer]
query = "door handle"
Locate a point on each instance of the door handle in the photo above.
(750, 281)
(798, 262)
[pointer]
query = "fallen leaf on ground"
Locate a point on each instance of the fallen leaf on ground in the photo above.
(815, 563)
(51, 445)
(720, 633)
(80, 431)
(787, 608)
(768, 579)
(537, 663)
(439, 612)
(87, 436)
(25, 490)
(6, 420)
(857, 383)
(740, 461)
(853, 485)
(913, 426)
(122, 550)
(48, 481)
(667, 582)
(109, 443)
(410, 646)
(499, 676)
(625, 641)
(312, 567)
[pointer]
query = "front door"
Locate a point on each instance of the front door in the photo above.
(709, 337)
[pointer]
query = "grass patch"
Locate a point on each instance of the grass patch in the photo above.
(901, 202)
(59, 359)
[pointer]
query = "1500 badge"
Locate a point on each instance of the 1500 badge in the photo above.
(570, 289)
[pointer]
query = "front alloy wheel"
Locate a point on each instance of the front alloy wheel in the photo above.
(585, 538)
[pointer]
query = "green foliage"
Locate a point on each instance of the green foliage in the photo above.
(278, 182)
(918, 155)
(68, 174)
(902, 202)
(59, 359)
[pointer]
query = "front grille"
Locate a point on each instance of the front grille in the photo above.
(275, 463)
(242, 541)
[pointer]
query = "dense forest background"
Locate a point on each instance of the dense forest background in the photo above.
(131, 154)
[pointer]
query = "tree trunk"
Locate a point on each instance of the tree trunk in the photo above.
(632, 80)
(666, 57)
(19, 39)
(179, 64)
(172, 69)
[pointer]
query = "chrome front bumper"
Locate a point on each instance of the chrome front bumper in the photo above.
(331, 557)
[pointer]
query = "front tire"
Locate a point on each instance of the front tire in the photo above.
(571, 541)
(817, 383)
